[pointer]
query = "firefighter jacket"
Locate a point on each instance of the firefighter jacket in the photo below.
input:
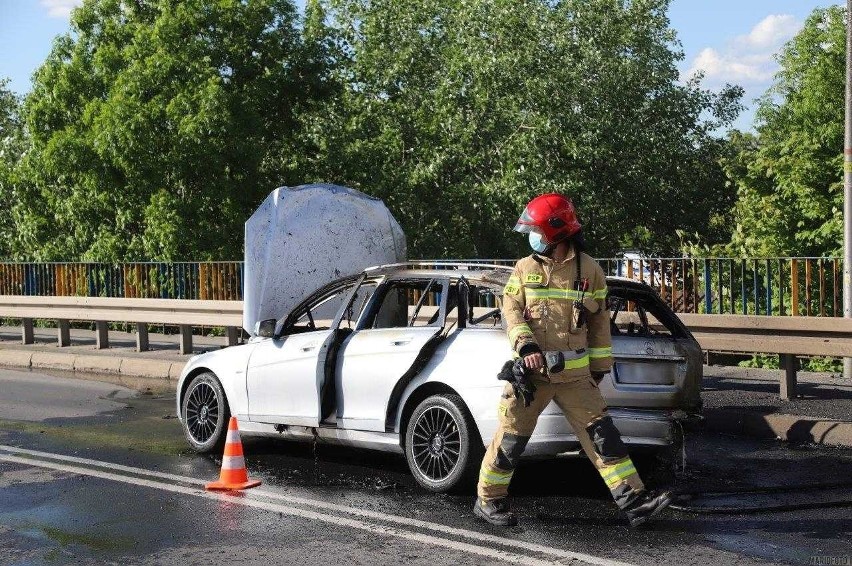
(540, 307)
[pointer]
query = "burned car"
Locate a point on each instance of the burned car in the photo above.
(404, 358)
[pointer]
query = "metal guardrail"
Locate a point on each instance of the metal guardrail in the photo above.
(787, 336)
(772, 335)
(749, 334)
(798, 286)
(101, 310)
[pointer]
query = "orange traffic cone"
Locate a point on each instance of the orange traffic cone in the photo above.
(234, 474)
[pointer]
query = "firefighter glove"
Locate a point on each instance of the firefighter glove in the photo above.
(516, 373)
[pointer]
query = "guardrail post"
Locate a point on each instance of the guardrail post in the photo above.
(141, 336)
(185, 339)
(233, 334)
(101, 335)
(788, 381)
(63, 333)
(27, 335)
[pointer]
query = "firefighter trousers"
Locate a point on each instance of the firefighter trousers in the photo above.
(582, 404)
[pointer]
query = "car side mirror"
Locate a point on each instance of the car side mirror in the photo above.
(265, 328)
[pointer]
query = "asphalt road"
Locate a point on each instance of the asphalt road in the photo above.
(91, 473)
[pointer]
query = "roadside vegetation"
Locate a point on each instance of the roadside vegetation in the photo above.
(155, 127)
(789, 174)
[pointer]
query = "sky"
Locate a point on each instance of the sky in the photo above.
(732, 41)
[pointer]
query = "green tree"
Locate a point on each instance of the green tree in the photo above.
(456, 112)
(789, 176)
(12, 147)
(157, 126)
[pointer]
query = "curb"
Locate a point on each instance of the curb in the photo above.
(16, 358)
(156, 369)
(104, 366)
(779, 426)
(53, 360)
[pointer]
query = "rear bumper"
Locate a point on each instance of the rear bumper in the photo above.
(640, 429)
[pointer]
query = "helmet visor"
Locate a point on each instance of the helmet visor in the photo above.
(525, 223)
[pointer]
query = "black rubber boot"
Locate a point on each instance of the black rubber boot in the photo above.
(646, 507)
(496, 512)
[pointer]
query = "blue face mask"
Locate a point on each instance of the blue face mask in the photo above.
(536, 243)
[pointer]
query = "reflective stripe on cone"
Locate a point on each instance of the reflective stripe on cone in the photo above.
(233, 462)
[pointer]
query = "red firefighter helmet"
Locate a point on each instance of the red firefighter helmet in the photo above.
(552, 216)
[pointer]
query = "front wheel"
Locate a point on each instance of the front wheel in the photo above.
(442, 444)
(205, 413)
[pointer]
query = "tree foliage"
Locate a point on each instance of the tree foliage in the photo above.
(789, 176)
(157, 126)
(12, 147)
(457, 112)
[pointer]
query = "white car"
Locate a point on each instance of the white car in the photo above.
(404, 358)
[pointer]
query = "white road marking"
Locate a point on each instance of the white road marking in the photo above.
(294, 511)
(101, 464)
(384, 517)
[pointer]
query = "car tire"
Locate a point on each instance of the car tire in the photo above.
(442, 444)
(205, 413)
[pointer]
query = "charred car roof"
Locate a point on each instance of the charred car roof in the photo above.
(485, 273)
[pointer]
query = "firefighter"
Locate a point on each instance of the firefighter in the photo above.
(554, 305)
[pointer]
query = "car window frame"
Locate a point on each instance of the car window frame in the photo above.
(323, 293)
(647, 301)
(378, 281)
(378, 298)
(496, 293)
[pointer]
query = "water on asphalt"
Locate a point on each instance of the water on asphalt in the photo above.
(51, 517)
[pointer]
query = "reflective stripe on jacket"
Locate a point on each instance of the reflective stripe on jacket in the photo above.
(538, 307)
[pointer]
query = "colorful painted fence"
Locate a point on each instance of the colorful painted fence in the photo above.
(179, 280)
(799, 286)
(803, 286)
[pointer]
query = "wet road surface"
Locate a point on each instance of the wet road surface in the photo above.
(130, 494)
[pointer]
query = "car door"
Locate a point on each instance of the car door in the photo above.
(392, 338)
(282, 381)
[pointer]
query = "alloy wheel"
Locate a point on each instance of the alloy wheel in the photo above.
(437, 443)
(202, 412)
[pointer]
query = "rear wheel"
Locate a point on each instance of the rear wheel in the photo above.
(442, 444)
(205, 413)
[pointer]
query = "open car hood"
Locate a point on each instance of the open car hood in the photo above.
(304, 237)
